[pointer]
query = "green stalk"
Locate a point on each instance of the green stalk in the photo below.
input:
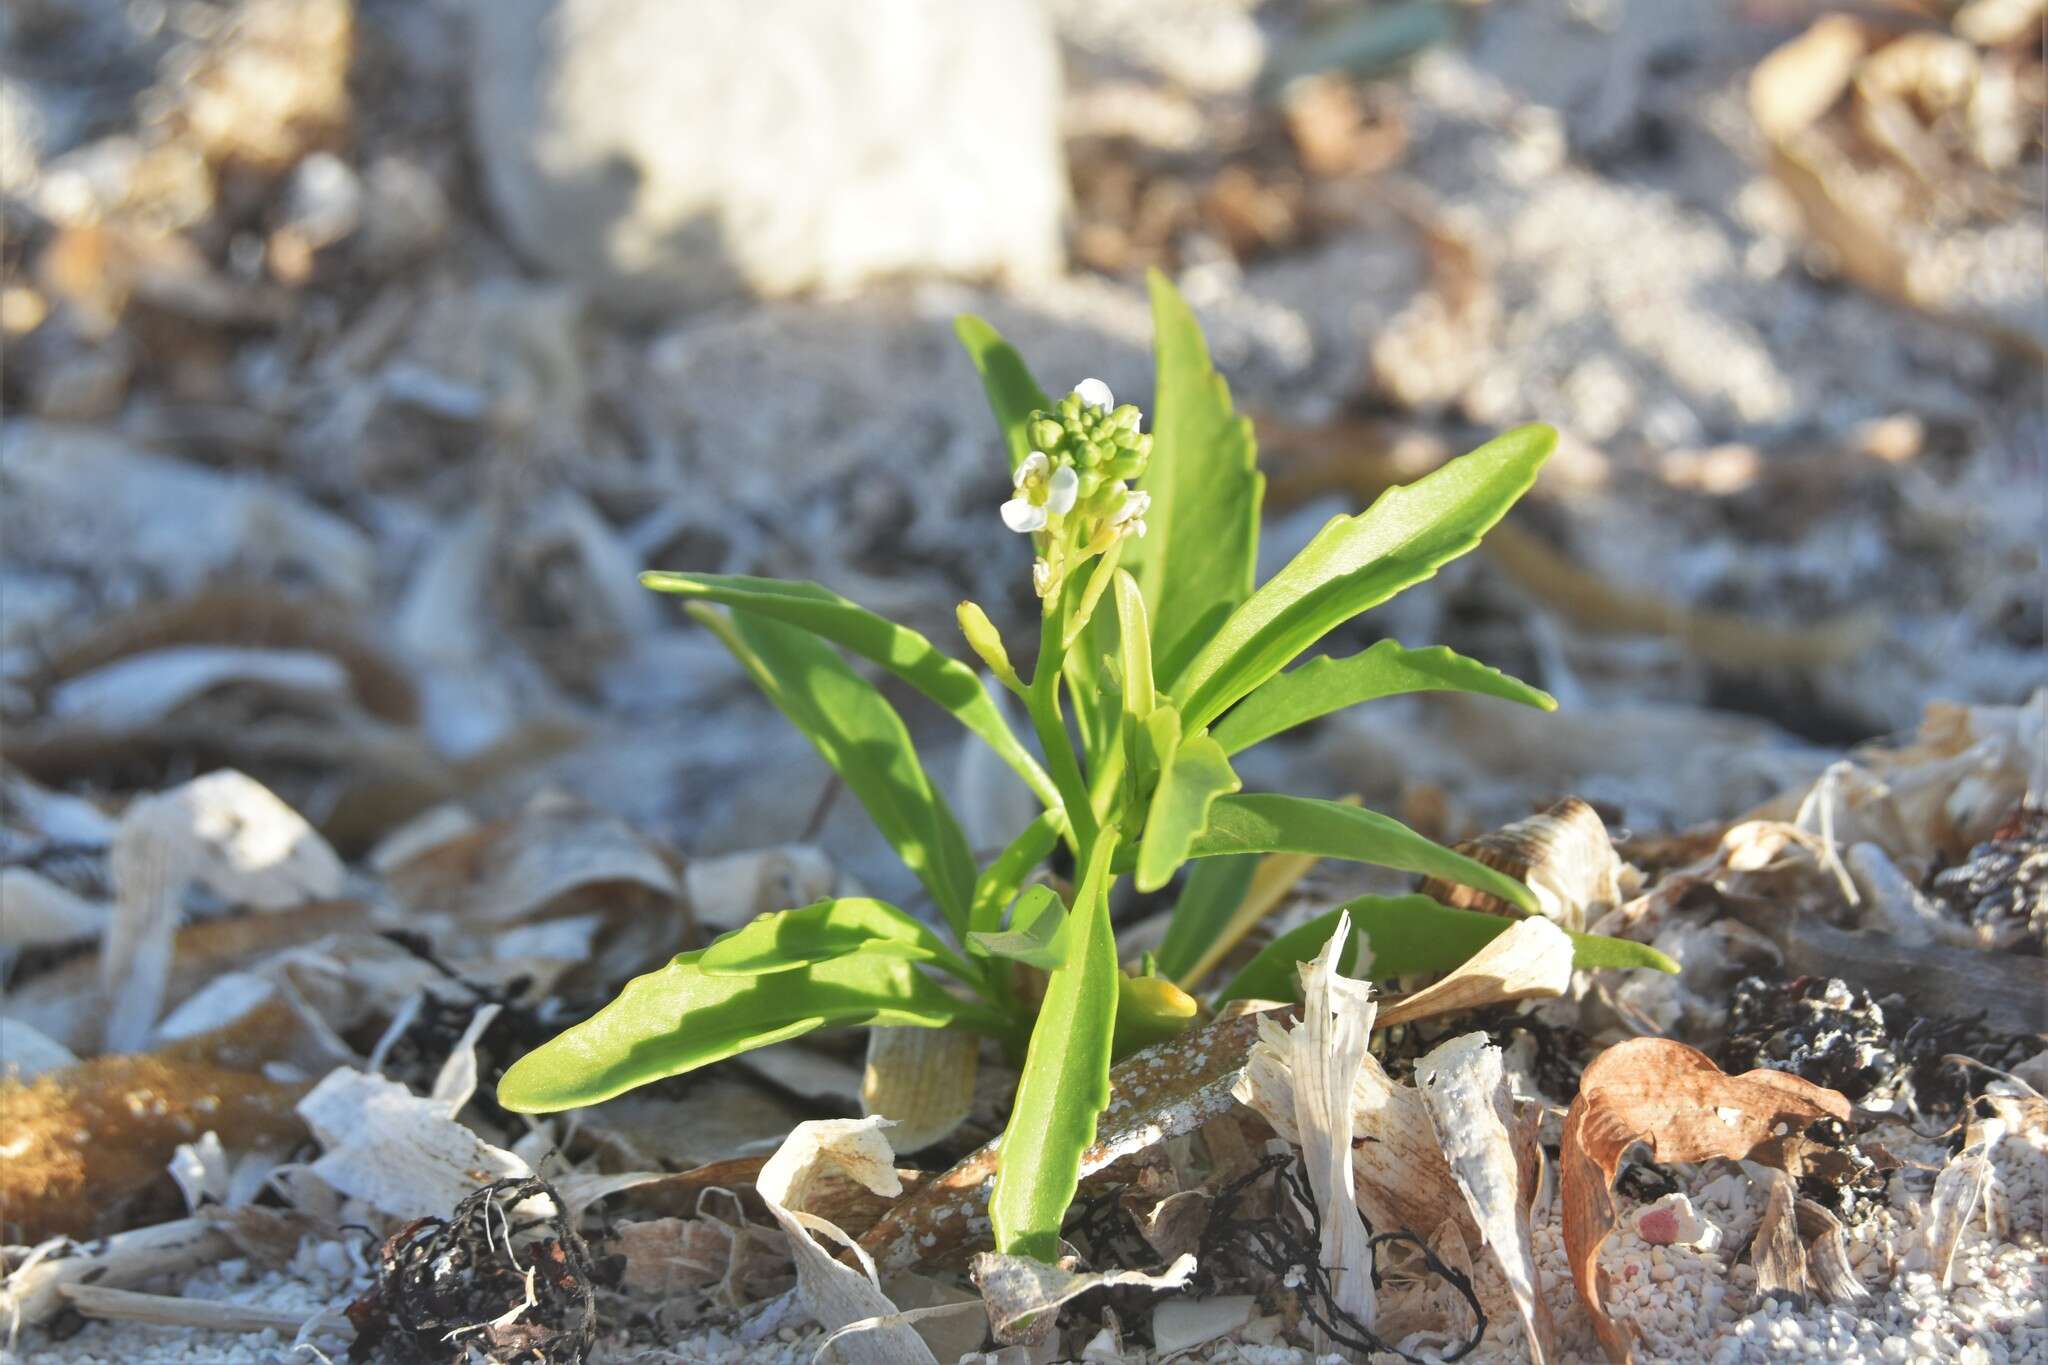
(1046, 721)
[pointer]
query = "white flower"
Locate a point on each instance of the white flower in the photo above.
(1041, 577)
(1041, 491)
(1130, 516)
(1093, 393)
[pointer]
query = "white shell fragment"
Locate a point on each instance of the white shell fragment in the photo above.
(1672, 1222)
(1471, 1109)
(921, 1078)
(1534, 958)
(396, 1151)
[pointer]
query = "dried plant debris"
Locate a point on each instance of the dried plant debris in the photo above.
(1676, 1100)
(506, 1273)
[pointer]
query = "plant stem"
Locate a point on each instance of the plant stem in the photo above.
(1046, 721)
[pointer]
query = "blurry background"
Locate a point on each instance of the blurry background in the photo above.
(358, 355)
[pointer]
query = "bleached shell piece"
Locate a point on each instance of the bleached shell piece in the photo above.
(224, 830)
(36, 912)
(1962, 1185)
(1020, 1291)
(403, 1154)
(1563, 854)
(921, 1078)
(140, 690)
(26, 1052)
(726, 892)
(1183, 1324)
(1465, 1090)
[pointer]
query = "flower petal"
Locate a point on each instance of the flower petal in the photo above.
(1023, 516)
(1062, 490)
(1133, 508)
(1034, 466)
(1093, 393)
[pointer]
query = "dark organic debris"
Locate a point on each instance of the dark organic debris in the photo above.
(1819, 1029)
(1822, 1029)
(2001, 888)
(481, 1284)
(1287, 1249)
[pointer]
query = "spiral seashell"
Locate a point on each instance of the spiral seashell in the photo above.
(1564, 856)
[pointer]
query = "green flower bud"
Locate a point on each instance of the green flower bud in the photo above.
(1126, 417)
(987, 643)
(1045, 433)
(1090, 481)
(1125, 467)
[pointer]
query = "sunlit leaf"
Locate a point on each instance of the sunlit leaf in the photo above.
(901, 650)
(1196, 774)
(997, 885)
(789, 939)
(1013, 395)
(1357, 562)
(677, 1019)
(1033, 937)
(1065, 1081)
(1322, 686)
(1200, 554)
(1264, 823)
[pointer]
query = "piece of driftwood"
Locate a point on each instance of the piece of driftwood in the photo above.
(1170, 1088)
(2011, 993)
(164, 1310)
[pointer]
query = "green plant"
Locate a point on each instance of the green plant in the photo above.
(1158, 658)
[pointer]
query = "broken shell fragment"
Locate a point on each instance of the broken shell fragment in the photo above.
(1563, 854)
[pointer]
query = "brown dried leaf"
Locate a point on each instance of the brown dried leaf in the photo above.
(1777, 1252)
(1655, 1091)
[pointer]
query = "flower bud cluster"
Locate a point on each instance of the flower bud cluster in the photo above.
(1073, 491)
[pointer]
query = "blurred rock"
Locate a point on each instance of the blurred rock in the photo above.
(663, 155)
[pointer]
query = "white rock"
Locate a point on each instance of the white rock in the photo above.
(1671, 1222)
(662, 155)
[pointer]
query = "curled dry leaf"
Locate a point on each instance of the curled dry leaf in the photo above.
(922, 1079)
(1532, 959)
(1168, 1089)
(1673, 1098)
(32, 1292)
(1958, 1190)
(836, 1294)
(1022, 1293)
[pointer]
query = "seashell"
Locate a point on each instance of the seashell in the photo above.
(921, 1078)
(1564, 856)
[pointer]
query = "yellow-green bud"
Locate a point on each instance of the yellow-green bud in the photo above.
(1045, 433)
(1149, 1009)
(987, 643)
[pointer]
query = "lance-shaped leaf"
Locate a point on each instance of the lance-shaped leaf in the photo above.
(1214, 889)
(1355, 563)
(997, 885)
(1265, 823)
(789, 939)
(1407, 935)
(1322, 686)
(1065, 1081)
(677, 1019)
(1013, 395)
(1033, 937)
(901, 650)
(1202, 550)
(862, 737)
(1196, 774)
